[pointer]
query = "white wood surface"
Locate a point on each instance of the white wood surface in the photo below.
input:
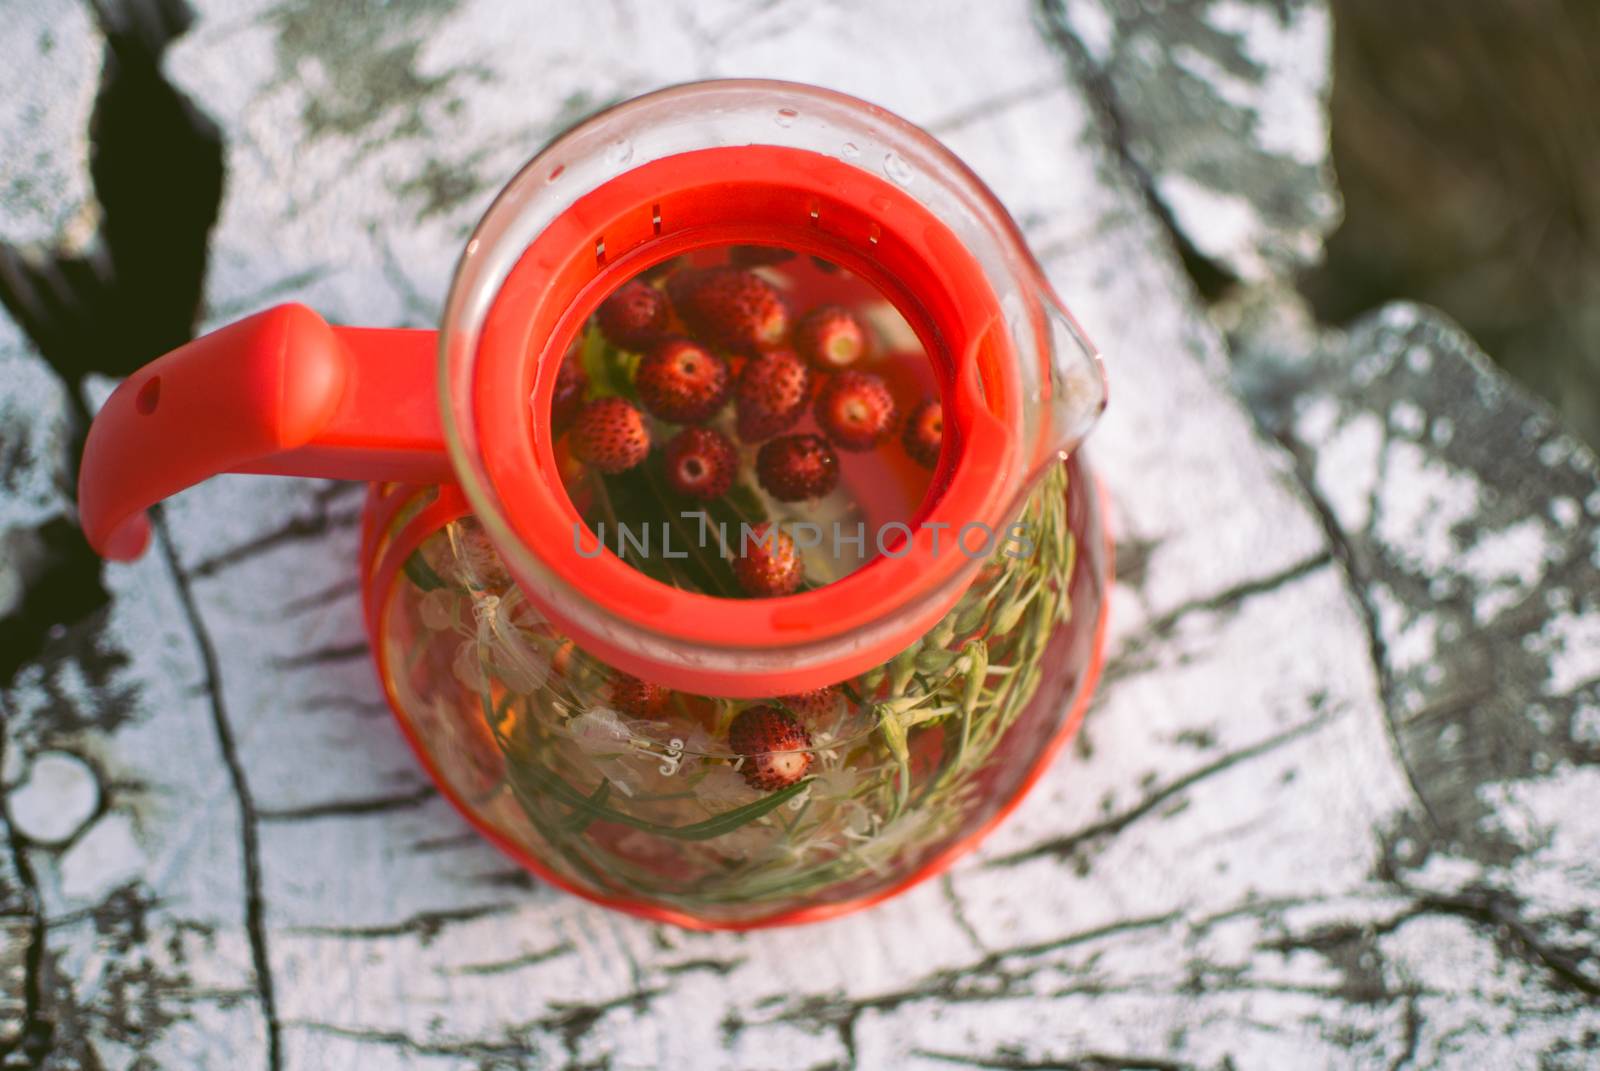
(1333, 807)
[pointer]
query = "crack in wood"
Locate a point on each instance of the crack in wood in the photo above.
(297, 529)
(250, 844)
(1128, 661)
(1209, 277)
(426, 925)
(958, 912)
(1496, 911)
(721, 967)
(444, 844)
(569, 1025)
(1412, 1026)
(953, 985)
(33, 1040)
(506, 966)
(1060, 847)
(1090, 1061)
(990, 107)
(1233, 597)
(344, 704)
(323, 656)
(406, 801)
(334, 593)
(573, 1022)
(1491, 909)
(395, 1039)
(1378, 650)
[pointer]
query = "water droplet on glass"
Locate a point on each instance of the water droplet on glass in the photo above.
(897, 169)
(850, 150)
(787, 116)
(621, 152)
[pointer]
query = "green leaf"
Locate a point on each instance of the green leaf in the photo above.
(893, 728)
(741, 505)
(641, 500)
(421, 573)
(546, 782)
(610, 370)
(977, 676)
(579, 820)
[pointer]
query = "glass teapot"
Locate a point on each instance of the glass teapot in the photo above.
(726, 560)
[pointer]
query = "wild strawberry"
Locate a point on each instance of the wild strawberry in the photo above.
(634, 316)
(796, 467)
(730, 307)
(775, 747)
(769, 564)
(771, 394)
(610, 435)
(924, 434)
(855, 410)
(756, 256)
(572, 383)
(701, 463)
(817, 703)
(642, 699)
(682, 382)
(830, 337)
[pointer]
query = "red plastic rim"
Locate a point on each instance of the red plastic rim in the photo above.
(769, 195)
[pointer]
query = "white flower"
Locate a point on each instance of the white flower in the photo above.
(478, 563)
(599, 731)
(835, 784)
(468, 666)
(909, 832)
(518, 664)
(722, 785)
(857, 819)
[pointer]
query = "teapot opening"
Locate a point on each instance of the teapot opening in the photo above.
(690, 211)
(747, 421)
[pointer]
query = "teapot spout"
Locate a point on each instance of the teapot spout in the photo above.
(1075, 390)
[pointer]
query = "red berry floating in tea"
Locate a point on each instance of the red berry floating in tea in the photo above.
(817, 703)
(794, 468)
(774, 747)
(701, 463)
(610, 435)
(730, 307)
(682, 382)
(771, 395)
(924, 434)
(571, 386)
(768, 563)
(855, 410)
(830, 337)
(642, 699)
(634, 316)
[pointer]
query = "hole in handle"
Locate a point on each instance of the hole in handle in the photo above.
(149, 396)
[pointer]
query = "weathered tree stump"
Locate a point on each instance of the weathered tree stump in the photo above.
(1333, 806)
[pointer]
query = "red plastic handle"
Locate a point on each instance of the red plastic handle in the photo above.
(278, 392)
